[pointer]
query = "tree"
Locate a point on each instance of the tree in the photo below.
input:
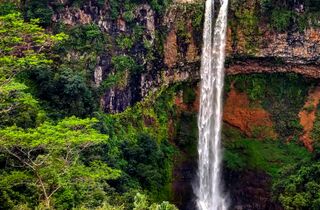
(298, 186)
(141, 203)
(49, 155)
(23, 46)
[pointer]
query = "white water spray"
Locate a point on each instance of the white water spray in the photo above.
(209, 193)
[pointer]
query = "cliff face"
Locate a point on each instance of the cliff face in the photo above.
(169, 46)
(159, 47)
(250, 49)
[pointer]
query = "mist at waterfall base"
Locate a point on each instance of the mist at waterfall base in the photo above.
(208, 188)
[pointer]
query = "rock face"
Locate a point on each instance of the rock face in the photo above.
(252, 192)
(296, 47)
(267, 65)
(308, 116)
(178, 57)
(250, 119)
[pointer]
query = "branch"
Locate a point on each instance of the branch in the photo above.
(7, 109)
(20, 159)
(42, 185)
(8, 80)
(55, 190)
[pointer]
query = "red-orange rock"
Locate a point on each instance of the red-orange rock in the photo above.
(171, 49)
(307, 117)
(252, 120)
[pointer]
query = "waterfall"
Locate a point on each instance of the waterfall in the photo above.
(209, 193)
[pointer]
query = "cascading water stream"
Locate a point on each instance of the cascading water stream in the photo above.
(209, 193)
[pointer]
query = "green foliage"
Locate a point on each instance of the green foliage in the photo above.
(302, 22)
(65, 90)
(250, 22)
(141, 203)
(280, 19)
(84, 38)
(160, 6)
(126, 8)
(23, 46)
(123, 66)
(182, 31)
(128, 14)
(197, 16)
(7, 7)
(19, 107)
(118, 79)
(66, 85)
(187, 133)
(125, 42)
(299, 186)
(114, 9)
(242, 153)
(123, 62)
(50, 156)
(40, 10)
(145, 161)
(139, 145)
(282, 95)
(245, 25)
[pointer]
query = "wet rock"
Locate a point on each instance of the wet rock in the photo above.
(250, 190)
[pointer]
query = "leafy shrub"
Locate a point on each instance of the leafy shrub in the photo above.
(114, 9)
(298, 186)
(125, 42)
(280, 19)
(7, 7)
(84, 38)
(39, 9)
(66, 91)
(123, 62)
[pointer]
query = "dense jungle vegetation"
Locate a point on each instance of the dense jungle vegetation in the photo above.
(59, 150)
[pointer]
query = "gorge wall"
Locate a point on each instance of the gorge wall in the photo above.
(166, 45)
(146, 46)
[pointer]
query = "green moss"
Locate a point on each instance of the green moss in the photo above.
(244, 23)
(182, 31)
(196, 12)
(249, 21)
(268, 155)
(119, 80)
(187, 133)
(189, 95)
(280, 19)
